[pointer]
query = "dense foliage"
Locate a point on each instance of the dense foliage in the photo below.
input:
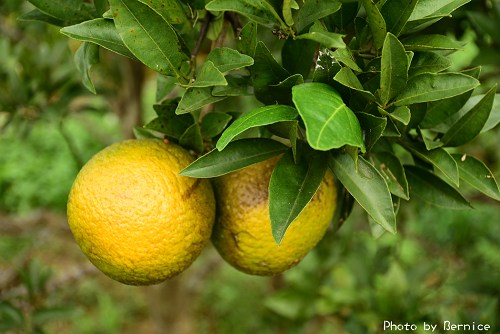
(362, 88)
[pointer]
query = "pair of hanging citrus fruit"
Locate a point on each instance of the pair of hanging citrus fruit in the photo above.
(140, 222)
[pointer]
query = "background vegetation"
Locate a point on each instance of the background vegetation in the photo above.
(442, 265)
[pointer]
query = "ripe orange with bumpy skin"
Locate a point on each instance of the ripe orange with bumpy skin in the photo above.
(242, 231)
(135, 217)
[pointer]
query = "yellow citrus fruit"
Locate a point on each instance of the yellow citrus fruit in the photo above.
(242, 231)
(135, 217)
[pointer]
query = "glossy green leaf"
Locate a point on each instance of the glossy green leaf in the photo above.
(227, 59)
(237, 85)
(471, 124)
(329, 122)
(433, 190)
(439, 158)
(258, 117)
(209, 75)
(195, 98)
(346, 57)
(214, 123)
(435, 8)
(392, 171)
(291, 188)
(38, 15)
(259, 11)
(431, 87)
(86, 56)
(445, 110)
(266, 72)
(237, 155)
(69, 11)
(149, 37)
(168, 123)
(418, 42)
(373, 128)
(394, 69)
(170, 10)
(401, 114)
(287, 12)
(428, 62)
(396, 13)
(319, 34)
(376, 22)
(478, 175)
(247, 39)
(367, 186)
(428, 12)
(314, 10)
(347, 78)
(192, 138)
(98, 31)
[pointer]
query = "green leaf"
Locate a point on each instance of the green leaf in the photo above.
(433, 190)
(227, 59)
(236, 86)
(326, 67)
(347, 78)
(170, 10)
(266, 72)
(168, 123)
(12, 317)
(195, 98)
(237, 155)
(392, 171)
(437, 157)
(192, 138)
(401, 114)
(470, 125)
(394, 69)
(288, 5)
(478, 175)
(247, 40)
(418, 42)
(376, 22)
(298, 55)
(428, 62)
(258, 117)
(149, 37)
(291, 188)
(99, 31)
(69, 11)
(434, 8)
(214, 123)
(346, 57)
(367, 186)
(432, 87)
(38, 15)
(319, 34)
(329, 122)
(428, 12)
(86, 56)
(446, 109)
(373, 128)
(396, 13)
(209, 76)
(313, 10)
(259, 11)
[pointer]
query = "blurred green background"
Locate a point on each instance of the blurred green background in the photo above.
(442, 265)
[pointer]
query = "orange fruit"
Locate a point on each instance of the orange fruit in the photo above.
(135, 217)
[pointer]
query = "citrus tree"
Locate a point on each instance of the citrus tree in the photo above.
(360, 88)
